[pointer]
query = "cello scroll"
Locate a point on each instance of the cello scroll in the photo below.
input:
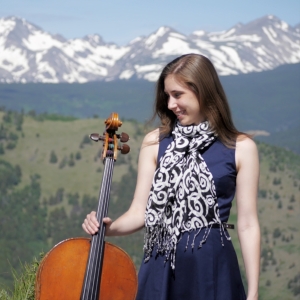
(110, 138)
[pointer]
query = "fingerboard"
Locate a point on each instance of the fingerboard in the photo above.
(91, 284)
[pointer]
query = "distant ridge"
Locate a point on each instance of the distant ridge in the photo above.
(29, 54)
(266, 101)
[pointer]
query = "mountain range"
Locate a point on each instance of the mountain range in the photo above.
(29, 54)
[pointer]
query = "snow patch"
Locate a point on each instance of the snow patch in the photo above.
(147, 68)
(199, 33)
(226, 34)
(13, 59)
(234, 57)
(204, 44)
(6, 26)
(153, 76)
(260, 51)
(274, 34)
(178, 35)
(38, 41)
(174, 46)
(269, 35)
(240, 38)
(107, 55)
(127, 74)
(284, 26)
(137, 39)
(150, 41)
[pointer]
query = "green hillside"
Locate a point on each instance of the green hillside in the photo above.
(50, 175)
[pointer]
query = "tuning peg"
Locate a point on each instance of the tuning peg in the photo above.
(124, 148)
(96, 137)
(124, 137)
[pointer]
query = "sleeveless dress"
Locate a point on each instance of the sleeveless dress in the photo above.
(207, 273)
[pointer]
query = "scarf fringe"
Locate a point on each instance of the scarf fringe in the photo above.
(166, 245)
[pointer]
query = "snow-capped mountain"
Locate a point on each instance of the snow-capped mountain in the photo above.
(29, 54)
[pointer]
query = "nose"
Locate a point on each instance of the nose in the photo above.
(171, 103)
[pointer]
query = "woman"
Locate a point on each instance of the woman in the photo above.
(189, 171)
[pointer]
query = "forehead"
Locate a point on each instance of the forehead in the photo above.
(172, 82)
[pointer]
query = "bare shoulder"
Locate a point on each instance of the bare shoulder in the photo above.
(149, 148)
(244, 143)
(151, 138)
(246, 151)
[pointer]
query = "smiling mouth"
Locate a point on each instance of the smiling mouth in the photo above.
(179, 113)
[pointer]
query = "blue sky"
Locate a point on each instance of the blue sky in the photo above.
(120, 21)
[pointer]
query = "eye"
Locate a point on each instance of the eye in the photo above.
(177, 95)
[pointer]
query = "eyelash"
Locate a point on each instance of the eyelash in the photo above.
(176, 95)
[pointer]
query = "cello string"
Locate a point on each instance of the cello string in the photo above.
(95, 243)
(94, 246)
(98, 245)
(104, 207)
(99, 237)
(104, 200)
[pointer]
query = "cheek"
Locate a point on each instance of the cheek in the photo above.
(197, 106)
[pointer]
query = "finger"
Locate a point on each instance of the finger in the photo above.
(92, 219)
(89, 227)
(107, 220)
(85, 228)
(90, 230)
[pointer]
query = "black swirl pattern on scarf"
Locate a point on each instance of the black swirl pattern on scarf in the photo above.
(183, 195)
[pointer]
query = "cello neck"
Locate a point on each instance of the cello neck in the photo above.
(91, 285)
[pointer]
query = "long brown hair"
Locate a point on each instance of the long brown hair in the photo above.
(197, 73)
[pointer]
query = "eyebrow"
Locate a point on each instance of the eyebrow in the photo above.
(174, 91)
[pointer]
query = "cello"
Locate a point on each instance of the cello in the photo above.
(91, 269)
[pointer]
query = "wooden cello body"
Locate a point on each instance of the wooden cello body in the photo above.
(61, 273)
(90, 269)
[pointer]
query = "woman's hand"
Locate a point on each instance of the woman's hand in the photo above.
(91, 225)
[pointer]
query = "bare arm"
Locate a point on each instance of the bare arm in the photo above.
(134, 218)
(248, 226)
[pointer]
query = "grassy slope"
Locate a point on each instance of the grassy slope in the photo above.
(40, 138)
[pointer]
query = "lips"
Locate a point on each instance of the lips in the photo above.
(179, 113)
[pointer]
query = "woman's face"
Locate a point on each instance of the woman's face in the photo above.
(182, 102)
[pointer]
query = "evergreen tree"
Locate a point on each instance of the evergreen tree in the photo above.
(71, 161)
(53, 157)
(78, 155)
(63, 162)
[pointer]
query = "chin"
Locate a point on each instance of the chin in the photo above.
(185, 123)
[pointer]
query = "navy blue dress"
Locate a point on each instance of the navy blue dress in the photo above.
(208, 273)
